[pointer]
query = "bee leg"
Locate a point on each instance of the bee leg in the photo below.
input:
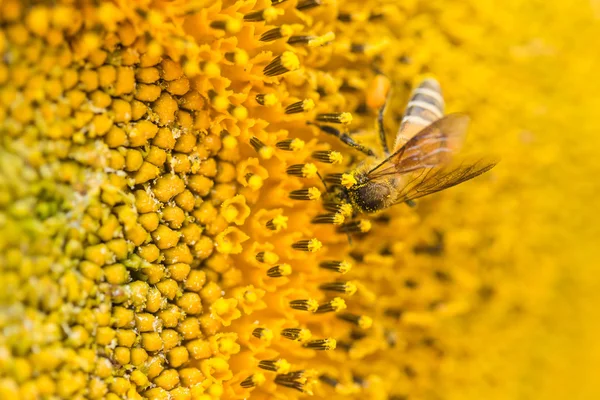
(344, 137)
(381, 127)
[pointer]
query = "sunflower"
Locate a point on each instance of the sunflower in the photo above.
(164, 229)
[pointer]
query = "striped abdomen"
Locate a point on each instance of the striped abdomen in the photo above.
(425, 106)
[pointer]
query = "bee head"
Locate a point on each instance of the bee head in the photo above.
(370, 196)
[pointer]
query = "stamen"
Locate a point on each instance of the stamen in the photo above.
(348, 180)
(305, 305)
(276, 33)
(266, 100)
(332, 219)
(300, 106)
(280, 366)
(335, 305)
(361, 321)
(293, 380)
(328, 380)
(347, 288)
(262, 149)
(342, 208)
(263, 334)
(308, 170)
(277, 223)
(268, 14)
(227, 25)
(357, 48)
(305, 194)
(238, 57)
(321, 344)
(290, 145)
(253, 380)
(296, 334)
(335, 118)
(359, 226)
(279, 270)
(306, 4)
(311, 245)
(337, 266)
(328, 156)
(286, 62)
(311, 40)
(334, 179)
(267, 257)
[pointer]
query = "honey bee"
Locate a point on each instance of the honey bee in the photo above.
(419, 163)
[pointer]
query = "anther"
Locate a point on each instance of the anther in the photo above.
(332, 219)
(305, 305)
(321, 344)
(300, 106)
(328, 156)
(342, 208)
(267, 257)
(262, 333)
(347, 288)
(361, 321)
(276, 33)
(307, 4)
(357, 48)
(311, 245)
(348, 180)
(296, 334)
(359, 226)
(277, 223)
(256, 379)
(280, 366)
(293, 380)
(302, 170)
(290, 144)
(286, 62)
(238, 57)
(262, 149)
(305, 194)
(266, 100)
(268, 14)
(279, 270)
(311, 40)
(335, 305)
(227, 25)
(334, 179)
(335, 118)
(337, 266)
(328, 380)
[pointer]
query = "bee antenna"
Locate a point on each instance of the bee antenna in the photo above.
(323, 181)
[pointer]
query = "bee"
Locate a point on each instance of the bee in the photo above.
(419, 163)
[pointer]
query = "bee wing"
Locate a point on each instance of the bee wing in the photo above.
(432, 180)
(432, 146)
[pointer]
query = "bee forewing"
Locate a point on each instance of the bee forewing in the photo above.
(426, 105)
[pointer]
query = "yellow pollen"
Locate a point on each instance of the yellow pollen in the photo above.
(309, 170)
(336, 157)
(308, 104)
(314, 245)
(255, 182)
(322, 40)
(282, 366)
(270, 257)
(259, 378)
(346, 209)
(233, 25)
(365, 225)
(314, 193)
(345, 118)
(220, 103)
(348, 180)
(240, 113)
(230, 142)
(350, 288)
(211, 69)
(280, 222)
(365, 322)
(271, 13)
(338, 304)
(339, 219)
(266, 152)
(290, 61)
(270, 100)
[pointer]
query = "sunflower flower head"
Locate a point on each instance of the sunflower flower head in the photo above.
(165, 225)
